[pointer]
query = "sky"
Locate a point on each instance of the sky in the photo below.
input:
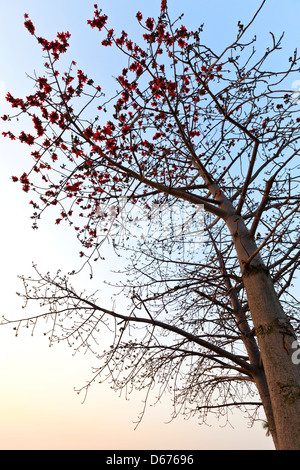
(38, 407)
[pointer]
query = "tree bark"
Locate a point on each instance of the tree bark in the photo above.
(275, 336)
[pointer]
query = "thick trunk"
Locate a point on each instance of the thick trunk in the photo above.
(275, 337)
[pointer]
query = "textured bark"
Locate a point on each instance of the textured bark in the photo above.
(275, 336)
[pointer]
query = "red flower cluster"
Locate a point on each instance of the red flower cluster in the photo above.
(44, 85)
(99, 21)
(56, 47)
(53, 116)
(108, 40)
(163, 5)
(9, 134)
(38, 125)
(150, 23)
(29, 25)
(36, 155)
(27, 138)
(24, 179)
(118, 142)
(73, 187)
(15, 102)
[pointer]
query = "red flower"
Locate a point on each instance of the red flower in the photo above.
(139, 16)
(82, 78)
(57, 47)
(108, 40)
(38, 125)
(149, 23)
(15, 102)
(88, 133)
(46, 143)
(98, 21)
(163, 5)
(29, 25)
(27, 138)
(43, 84)
(9, 134)
(36, 155)
(182, 43)
(24, 179)
(53, 117)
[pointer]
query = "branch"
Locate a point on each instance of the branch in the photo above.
(235, 403)
(248, 261)
(248, 178)
(248, 369)
(179, 193)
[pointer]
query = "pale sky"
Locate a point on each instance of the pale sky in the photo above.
(38, 407)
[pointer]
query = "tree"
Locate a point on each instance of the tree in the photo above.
(188, 129)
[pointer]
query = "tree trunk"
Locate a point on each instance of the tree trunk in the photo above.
(275, 336)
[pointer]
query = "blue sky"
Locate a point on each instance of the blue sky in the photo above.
(38, 407)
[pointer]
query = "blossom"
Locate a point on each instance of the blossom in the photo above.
(15, 102)
(149, 23)
(36, 155)
(108, 40)
(88, 133)
(29, 25)
(27, 138)
(82, 78)
(182, 43)
(44, 85)
(98, 21)
(24, 179)
(38, 125)
(163, 5)
(58, 46)
(53, 117)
